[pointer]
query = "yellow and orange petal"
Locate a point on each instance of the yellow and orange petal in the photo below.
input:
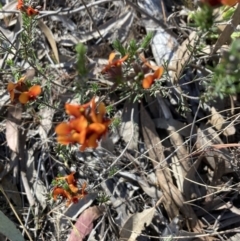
(92, 140)
(76, 110)
(83, 189)
(93, 111)
(158, 73)
(59, 191)
(83, 146)
(32, 12)
(229, 2)
(113, 63)
(97, 128)
(119, 62)
(69, 178)
(63, 128)
(73, 188)
(34, 91)
(65, 140)
(82, 136)
(102, 108)
(79, 123)
(24, 97)
(11, 86)
(111, 57)
(22, 79)
(20, 4)
(101, 112)
(145, 62)
(73, 110)
(149, 79)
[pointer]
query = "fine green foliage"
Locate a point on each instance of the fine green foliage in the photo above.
(203, 19)
(225, 79)
(103, 197)
(117, 45)
(146, 41)
(81, 59)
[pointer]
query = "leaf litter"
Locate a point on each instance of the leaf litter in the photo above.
(174, 170)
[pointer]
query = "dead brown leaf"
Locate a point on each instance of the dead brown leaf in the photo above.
(136, 224)
(84, 224)
(173, 199)
(12, 124)
(220, 123)
(182, 56)
(48, 33)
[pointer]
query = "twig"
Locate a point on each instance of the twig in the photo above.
(14, 211)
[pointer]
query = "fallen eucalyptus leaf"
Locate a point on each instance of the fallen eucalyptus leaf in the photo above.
(8, 228)
(84, 224)
(136, 224)
(12, 123)
(48, 33)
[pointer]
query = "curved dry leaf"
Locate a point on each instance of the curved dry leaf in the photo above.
(220, 123)
(46, 114)
(9, 7)
(151, 191)
(207, 136)
(48, 33)
(41, 192)
(8, 228)
(74, 210)
(130, 125)
(182, 56)
(136, 224)
(84, 224)
(13, 121)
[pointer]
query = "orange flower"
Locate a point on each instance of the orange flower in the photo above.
(72, 132)
(217, 3)
(98, 127)
(86, 128)
(32, 12)
(26, 9)
(70, 192)
(16, 88)
(72, 184)
(230, 2)
(150, 78)
(113, 63)
(20, 4)
(19, 91)
(76, 110)
(31, 94)
(62, 192)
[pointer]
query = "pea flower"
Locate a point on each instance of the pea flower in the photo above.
(87, 126)
(113, 63)
(31, 11)
(26, 9)
(69, 189)
(217, 3)
(20, 92)
(149, 79)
